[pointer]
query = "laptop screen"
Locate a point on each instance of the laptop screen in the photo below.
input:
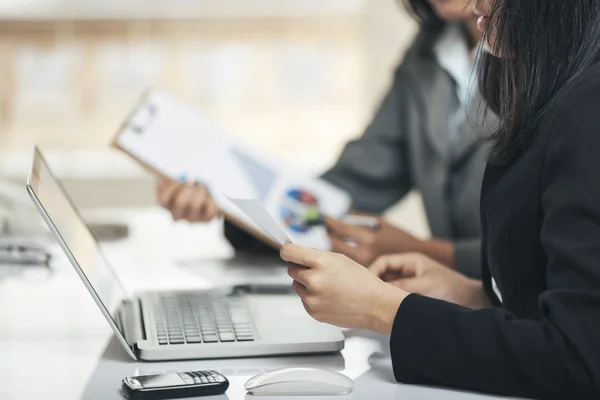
(77, 240)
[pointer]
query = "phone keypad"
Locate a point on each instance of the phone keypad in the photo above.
(187, 378)
(202, 377)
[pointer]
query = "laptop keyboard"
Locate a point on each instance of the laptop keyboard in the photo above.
(182, 318)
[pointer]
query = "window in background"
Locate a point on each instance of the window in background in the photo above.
(276, 82)
(219, 75)
(125, 70)
(45, 98)
(297, 79)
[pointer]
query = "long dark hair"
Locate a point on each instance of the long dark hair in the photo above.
(422, 11)
(543, 45)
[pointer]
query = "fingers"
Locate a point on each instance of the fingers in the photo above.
(200, 201)
(204, 207)
(357, 233)
(166, 191)
(404, 264)
(304, 286)
(300, 289)
(299, 274)
(310, 258)
(382, 265)
(359, 254)
(189, 201)
(182, 200)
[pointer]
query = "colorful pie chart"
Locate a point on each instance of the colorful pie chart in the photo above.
(300, 210)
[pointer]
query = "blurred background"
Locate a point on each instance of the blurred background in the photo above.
(297, 78)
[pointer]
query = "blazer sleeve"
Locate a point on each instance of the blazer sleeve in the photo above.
(242, 241)
(558, 355)
(467, 256)
(374, 169)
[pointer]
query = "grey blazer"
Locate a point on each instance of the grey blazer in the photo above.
(406, 146)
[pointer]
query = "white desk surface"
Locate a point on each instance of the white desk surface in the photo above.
(55, 344)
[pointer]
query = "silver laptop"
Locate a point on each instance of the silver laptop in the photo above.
(183, 324)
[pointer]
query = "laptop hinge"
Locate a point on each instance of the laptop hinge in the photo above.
(131, 322)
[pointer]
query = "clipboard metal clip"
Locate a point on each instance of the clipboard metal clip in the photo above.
(142, 119)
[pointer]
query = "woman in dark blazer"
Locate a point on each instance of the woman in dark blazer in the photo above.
(421, 137)
(531, 327)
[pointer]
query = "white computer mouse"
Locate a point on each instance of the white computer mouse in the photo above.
(299, 382)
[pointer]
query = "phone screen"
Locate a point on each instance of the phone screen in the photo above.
(158, 381)
(365, 221)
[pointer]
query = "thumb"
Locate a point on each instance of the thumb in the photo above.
(311, 258)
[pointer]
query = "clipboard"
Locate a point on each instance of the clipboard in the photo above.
(146, 117)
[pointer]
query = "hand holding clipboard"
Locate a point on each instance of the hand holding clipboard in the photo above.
(171, 140)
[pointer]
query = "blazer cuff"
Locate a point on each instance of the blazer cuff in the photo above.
(415, 336)
(405, 338)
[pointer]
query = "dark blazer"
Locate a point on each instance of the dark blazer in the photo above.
(541, 237)
(406, 146)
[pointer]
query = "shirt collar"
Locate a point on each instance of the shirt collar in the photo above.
(453, 55)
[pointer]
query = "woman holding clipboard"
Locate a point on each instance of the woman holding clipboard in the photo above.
(424, 136)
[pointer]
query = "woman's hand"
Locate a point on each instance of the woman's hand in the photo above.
(337, 290)
(416, 273)
(369, 244)
(189, 201)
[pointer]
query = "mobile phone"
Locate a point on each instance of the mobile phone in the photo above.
(175, 385)
(365, 221)
(263, 289)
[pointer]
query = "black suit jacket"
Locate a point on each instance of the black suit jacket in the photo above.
(541, 242)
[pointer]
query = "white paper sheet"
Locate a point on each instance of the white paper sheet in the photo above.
(178, 142)
(257, 212)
